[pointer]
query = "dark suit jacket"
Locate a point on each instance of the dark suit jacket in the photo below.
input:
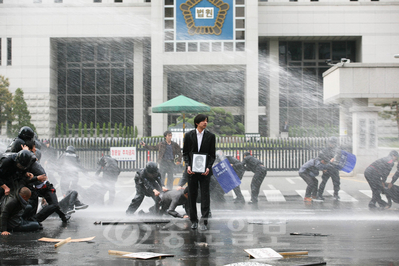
(207, 146)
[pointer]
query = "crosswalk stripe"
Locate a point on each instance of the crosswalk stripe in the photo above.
(274, 195)
(246, 194)
(343, 196)
(301, 192)
(369, 194)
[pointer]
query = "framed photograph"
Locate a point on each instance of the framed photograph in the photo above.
(199, 163)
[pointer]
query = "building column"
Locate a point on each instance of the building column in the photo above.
(274, 91)
(138, 87)
(252, 69)
(365, 136)
(158, 94)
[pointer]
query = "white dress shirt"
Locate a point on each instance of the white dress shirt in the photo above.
(200, 136)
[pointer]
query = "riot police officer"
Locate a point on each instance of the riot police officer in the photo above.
(254, 165)
(148, 183)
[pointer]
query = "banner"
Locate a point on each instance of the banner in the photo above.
(347, 162)
(226, 176)
(123, 153)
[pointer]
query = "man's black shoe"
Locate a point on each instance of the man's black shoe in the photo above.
(252, 202)
(203, 227)
(194, 225)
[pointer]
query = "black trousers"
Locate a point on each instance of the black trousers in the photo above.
(196, 181)
(257, 180)
(141, 192)
(311, 189)
(52, 203)
(374, 180)
(167, 167)
(334, 174)
(69, 201)
(237, 189)
(25, 226)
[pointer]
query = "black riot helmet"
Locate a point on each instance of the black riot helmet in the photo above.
(394, 153)
(151, 168)
(26, 133)
(24, 158)
(70, 149)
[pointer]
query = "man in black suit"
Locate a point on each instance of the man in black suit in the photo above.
(199, 141)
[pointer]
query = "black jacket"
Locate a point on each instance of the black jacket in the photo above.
(11, 175)
(382, 167)
(149, 183)
(251, 163)
(109, 166)
(207, 146)
(11, 206)
(171, 199)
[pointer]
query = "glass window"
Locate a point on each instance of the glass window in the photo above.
(88, 81)
(129, 101)
(192, 47)
(338, 50)
(118, 81)
(61, 102)
(73, 101)
(180, 47)
(240, 23)
(61, 81)
(204, 47)
(97, 1)
(57, 1)
(309, 51)
(240, 46)
(240, 12)
(103, 116)
(9, 51)
(294, 51)
(103, 81)
(169, 2)
(88, 116)
(169, 24)
(216, 47)
(117, 101)
(73, 81)
(169, 36)
(228, 47)
(103, 101)
(129, 117)
(324, 51)
(73, 52)
(240, 2)
(129, 81)
(73, 116)
(240, 35)
(117, 116)
(169, 47)
(169, 12)
(61, 116)
(88, 101)
(102, 52)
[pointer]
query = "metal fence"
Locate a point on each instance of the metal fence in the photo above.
(277, 154)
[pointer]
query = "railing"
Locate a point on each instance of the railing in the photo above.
(277, 154)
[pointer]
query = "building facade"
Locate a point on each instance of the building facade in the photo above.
(110, 61)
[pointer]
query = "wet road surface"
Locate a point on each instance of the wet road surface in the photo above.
(351, 234)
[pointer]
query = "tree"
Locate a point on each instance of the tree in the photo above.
(391, 113)
(220, 122)
(5, 102)
(20, 112)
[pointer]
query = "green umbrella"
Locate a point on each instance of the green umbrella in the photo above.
(181, 104)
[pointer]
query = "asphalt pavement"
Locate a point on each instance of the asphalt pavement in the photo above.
(343, 232)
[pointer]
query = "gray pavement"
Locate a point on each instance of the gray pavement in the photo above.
(352, 234)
